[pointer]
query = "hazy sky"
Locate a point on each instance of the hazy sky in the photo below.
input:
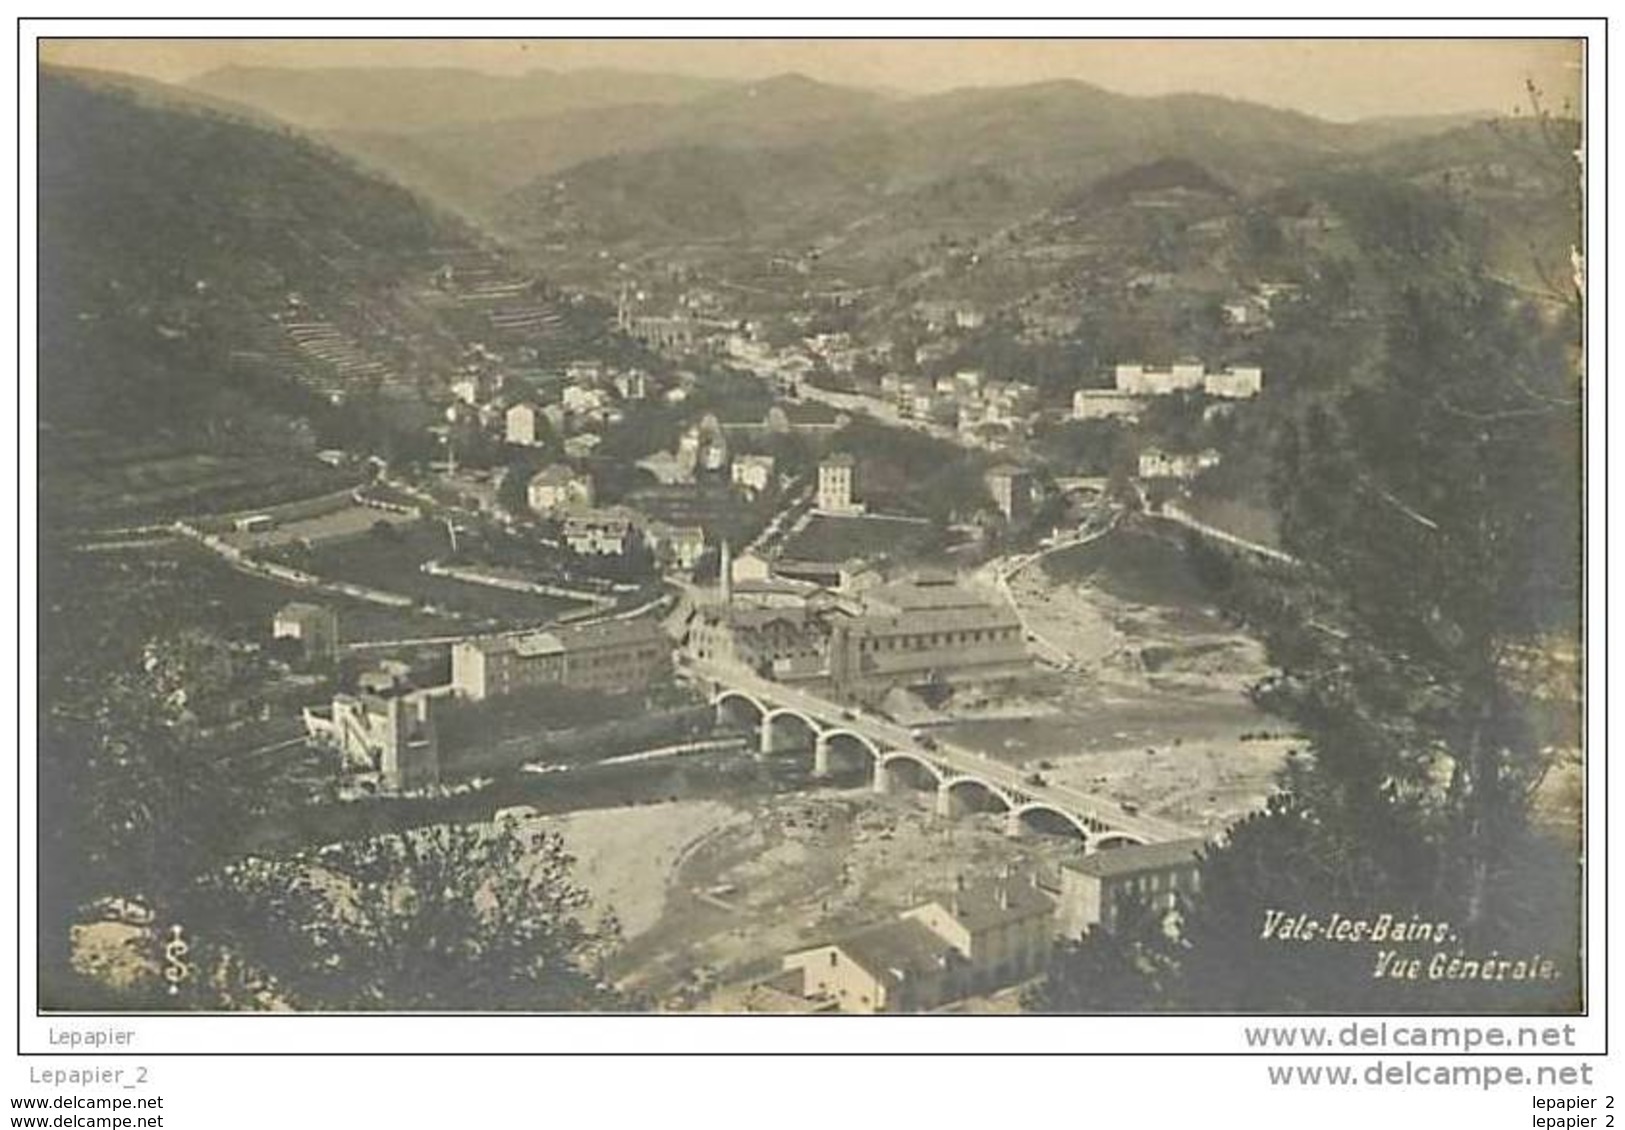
(1343, 79)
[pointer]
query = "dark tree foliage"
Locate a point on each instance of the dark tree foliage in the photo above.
(1132, 968)
(129, 685)
(141, 806)
(1435, 510)
(1427, 483)
(442, 918)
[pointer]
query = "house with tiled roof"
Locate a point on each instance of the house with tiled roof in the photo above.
(557, 488)
(898, 966)
(1001, 928)
(1098, 888)
(980, 937)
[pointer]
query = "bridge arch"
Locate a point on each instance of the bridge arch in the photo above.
(786, 729)
(1116, 840)
(1047, 819)
(902, 769)
(736, 708)
(972, 794)
(856, 738)
(843, 750)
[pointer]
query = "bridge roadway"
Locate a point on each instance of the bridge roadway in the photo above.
(1099, 820)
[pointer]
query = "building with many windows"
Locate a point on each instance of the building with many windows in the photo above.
(923, 630)
(785, 642)
(1001, 928)
(676, 546)
(614, 656)
(519, 425)
(610, 532)
(1097, 889)
(835, 482)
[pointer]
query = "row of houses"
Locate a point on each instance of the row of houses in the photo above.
(988, 935)
(967, 399)
(1133, 384)
(563, 492)
(620, 532)
(588, 395)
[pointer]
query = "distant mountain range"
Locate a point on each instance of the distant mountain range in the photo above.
(485, 144)
(964, 163)
(174, 221)
(382, 98)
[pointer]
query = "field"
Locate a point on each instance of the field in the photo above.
(830, 539)
(90, 479)
(390, 560)
(343, 520)
(242, 605)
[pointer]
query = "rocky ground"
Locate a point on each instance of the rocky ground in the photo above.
(712, 895)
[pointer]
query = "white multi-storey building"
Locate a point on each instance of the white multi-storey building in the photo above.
(835, 479)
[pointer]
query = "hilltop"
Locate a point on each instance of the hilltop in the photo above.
(213, 288)
(405, 98)
(974, 160)
(170, 236)
(483, 144)
(470, 166)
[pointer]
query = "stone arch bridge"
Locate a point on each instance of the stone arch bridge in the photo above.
(786, 719)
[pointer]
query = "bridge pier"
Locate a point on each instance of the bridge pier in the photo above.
(948, 805)
(821, 756)
(882, 781)
(1012, 824)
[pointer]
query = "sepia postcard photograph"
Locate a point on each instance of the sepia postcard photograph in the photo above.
(809, 526)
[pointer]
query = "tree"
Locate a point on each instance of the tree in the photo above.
(135, 797)
(464, 918)
(1434, 508)
(1428, 487)
(1133, 967)
(1437, 510)
(141, 796)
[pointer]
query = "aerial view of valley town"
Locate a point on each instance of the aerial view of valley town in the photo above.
(713, 527)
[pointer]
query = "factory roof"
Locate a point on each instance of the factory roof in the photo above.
(581, 637)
